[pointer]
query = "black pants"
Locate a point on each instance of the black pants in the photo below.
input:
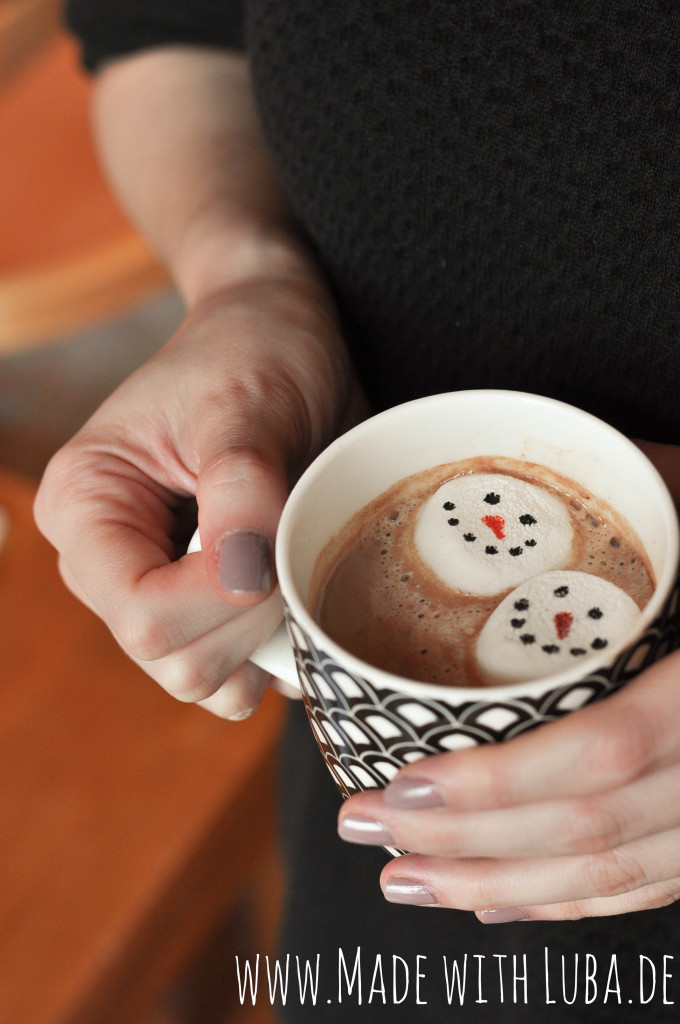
(378, 962)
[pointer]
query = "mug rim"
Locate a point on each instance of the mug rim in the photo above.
(451, 692)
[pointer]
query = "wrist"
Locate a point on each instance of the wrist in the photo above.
(229, 255)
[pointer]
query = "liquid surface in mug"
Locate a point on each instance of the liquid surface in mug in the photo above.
(481, 572)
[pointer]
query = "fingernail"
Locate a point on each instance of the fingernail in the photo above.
(240, 716)
(405, 890)
(503, 916)
(357, 829)
(245, 564)
(413, 794)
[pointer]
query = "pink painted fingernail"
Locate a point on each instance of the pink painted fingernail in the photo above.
(357, 829)
(503, 916)
(406, 890)
(245, 563)
(413, 794)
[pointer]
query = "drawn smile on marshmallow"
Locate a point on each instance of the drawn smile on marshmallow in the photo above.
(550, 623)
(486, 532)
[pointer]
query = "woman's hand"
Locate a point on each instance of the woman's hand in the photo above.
(578, 818)
(249, 389)
(253, 384)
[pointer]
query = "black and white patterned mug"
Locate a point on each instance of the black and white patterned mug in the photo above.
(367, 722)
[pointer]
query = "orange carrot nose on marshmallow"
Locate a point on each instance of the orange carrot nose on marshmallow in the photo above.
(563, 622)
(496, 524)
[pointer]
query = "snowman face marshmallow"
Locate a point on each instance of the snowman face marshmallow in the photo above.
(486, 532)
(551, 623)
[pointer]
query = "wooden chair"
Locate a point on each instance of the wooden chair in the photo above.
(132, 825)
(68, 255)
(69, 259)
(25, 26)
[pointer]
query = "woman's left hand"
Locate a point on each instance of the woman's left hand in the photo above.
(579, 818)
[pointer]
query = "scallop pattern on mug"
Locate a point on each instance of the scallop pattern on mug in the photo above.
(552, 623)
(487, 532)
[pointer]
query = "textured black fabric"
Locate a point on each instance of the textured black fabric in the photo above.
(112, 28)
(494, 189)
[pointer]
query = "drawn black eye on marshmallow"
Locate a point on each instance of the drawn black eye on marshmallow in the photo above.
(552, 623)
(487, 532)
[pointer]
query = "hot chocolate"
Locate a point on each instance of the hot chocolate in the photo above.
(411, 583)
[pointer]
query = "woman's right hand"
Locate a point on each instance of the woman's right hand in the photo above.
(250, 388)
(255, 382)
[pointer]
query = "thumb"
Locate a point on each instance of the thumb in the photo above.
(241, 492)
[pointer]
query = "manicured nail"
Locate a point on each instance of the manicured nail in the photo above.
(240, 716)
(503, 916)
(357, 829)
(245, 564)
(413, 794)
(405, 890)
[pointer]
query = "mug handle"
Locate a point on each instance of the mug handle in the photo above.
(275, 655)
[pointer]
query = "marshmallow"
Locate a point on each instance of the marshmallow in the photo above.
(486, 532)
(552, 623)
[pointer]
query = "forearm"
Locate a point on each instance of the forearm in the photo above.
(179, 137)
